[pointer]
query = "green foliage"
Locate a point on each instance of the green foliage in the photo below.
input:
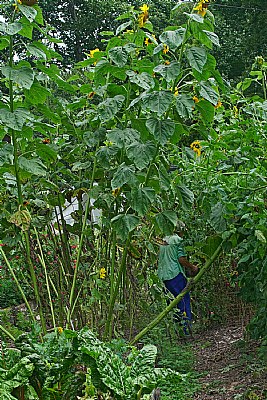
(145, 131)
(67, 361)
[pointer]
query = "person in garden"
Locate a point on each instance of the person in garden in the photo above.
(173, 266)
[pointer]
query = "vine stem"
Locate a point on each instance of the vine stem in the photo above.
(177, 299)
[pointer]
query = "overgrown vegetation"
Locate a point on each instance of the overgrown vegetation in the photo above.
(137, 135)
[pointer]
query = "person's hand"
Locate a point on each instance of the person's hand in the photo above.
(193, 271)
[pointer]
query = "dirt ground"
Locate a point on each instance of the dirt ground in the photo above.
(227, 365)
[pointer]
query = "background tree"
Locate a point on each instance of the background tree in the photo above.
(79, 23)
(242, 30)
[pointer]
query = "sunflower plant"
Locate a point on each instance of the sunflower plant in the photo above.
(103, 135)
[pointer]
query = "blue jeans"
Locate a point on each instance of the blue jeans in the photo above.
(184, 315)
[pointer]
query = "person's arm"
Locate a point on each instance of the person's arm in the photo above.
(186, 264)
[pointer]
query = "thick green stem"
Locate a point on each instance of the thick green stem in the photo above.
(79, 252)
(17, 283)
(116, 289)
(113, 260)
(42, 261)
(177, 299)
(18, 181)
(34, 281)
(7, 333)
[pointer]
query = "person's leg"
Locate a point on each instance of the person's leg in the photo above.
(184, 316)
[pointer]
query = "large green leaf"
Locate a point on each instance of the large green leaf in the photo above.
(185, 105)
(169, 72)
(114, 374)
(164, 178)
(4, 42)
(124, 174)
(122, 27)
(12, 28)
(158, 102)
(166, 221)
(27, 28)
(144, 80)
(6, 154)
(109, 108)
(186, 196)
(173, 39)
(119, 56)
(144, 361)
(141, 153)
(217, 219)
(36, 52)
(212, 37)
(208, 93)
(46, 152)
(123, 224)
(34, 166)
(16, 119)
(23, 76)
(162, 130)
(37, 93)
(206, 109)
(123, 138)
(197, 57)
(29, 12)
(142, 198)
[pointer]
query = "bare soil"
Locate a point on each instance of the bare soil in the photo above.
(228, 365)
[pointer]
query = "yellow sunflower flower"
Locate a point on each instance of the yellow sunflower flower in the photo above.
(116, 192)
(196, 147)
(165, 49)
(144, 8)
(92, 52)
(219, 104)
(102, 273)
(201, 7)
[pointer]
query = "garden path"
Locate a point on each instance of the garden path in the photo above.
(228, 365)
